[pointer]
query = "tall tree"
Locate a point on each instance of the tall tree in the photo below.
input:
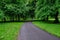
(46, 7)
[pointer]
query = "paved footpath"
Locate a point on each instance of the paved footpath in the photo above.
(31, 32)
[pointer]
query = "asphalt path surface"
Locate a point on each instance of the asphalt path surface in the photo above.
(31, 32)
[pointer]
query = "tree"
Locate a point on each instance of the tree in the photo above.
(31, 4)
(55, 11)
(42, 10)
(46, 8)
(2, 16)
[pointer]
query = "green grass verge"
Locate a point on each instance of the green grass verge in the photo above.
(54, 29)
(9, 31)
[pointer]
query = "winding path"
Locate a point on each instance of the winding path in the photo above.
(30, 32)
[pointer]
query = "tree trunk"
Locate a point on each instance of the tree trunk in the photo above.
(56, 18)
(18, 17)
(4, 19)
(11, 18)
(43, 19)
(47, 18)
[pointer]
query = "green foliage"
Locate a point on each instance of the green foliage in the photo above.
(14, 8)
(1, 14)
(40, 9)
(47, 8)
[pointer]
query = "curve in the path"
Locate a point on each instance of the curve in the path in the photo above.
(30, 32)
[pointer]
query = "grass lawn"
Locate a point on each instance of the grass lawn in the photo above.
(54, 29)
(9, 31)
